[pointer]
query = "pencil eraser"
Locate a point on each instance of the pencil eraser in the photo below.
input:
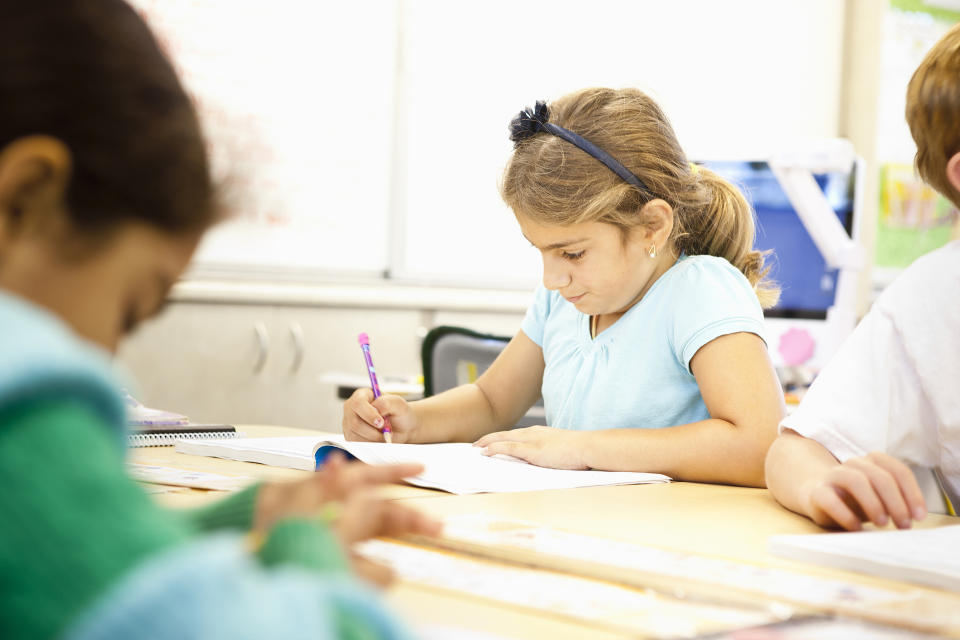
(363, 339)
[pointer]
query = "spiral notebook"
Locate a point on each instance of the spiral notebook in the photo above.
(167, 434)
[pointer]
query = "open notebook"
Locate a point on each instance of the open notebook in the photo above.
(458, 468)
(925, 556)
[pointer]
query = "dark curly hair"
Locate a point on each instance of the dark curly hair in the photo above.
(90, 73)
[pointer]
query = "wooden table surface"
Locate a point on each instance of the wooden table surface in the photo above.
(722, 521)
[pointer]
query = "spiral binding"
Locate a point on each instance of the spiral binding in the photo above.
(168, 439)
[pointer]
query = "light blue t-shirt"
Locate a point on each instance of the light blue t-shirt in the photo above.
(636, 373)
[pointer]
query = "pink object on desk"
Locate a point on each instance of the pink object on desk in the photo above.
(796, 346)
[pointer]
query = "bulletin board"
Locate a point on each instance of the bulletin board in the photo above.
(912, 219)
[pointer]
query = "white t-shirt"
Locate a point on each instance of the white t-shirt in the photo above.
(894, 386)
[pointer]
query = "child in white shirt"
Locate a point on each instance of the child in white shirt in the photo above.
(888, 401)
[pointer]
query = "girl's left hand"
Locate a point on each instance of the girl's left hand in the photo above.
(542, 446)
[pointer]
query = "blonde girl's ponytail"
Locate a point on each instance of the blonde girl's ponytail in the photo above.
(725, 228)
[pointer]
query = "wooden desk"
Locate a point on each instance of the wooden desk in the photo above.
(717, 520)
(722, 521)
(419, 605)
(732, 523)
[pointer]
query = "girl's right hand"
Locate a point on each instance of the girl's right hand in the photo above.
(364, 417)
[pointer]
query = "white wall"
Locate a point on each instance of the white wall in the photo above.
(296, 99)
(741, 79)
(369, 137)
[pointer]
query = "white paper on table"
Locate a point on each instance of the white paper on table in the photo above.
(925, 556)
(458, 468)
(186, 478)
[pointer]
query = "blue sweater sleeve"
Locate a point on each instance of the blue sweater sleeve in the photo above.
(86, 553)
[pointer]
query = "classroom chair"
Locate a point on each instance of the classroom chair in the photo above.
(455, 355)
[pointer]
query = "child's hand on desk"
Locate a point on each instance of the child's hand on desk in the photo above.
(542, 446)
(363, 417)
(345, 488)
(875, 488)
(364, 516)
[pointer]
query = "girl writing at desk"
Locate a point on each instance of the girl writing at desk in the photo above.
(645, 336)
(104, 193)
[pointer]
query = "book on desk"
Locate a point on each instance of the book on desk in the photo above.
(457, 468)
(149, 427)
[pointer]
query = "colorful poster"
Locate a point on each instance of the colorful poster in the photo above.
(913, 218)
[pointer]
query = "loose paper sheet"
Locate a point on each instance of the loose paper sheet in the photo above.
(186, 478)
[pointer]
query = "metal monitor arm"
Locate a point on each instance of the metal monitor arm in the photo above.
(795, 172)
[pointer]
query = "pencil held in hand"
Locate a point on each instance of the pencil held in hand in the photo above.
(364, 341)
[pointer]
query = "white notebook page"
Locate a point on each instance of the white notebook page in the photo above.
(455, 467)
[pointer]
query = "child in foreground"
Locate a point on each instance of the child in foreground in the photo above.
(645, 336)
(104, 194)
(886, 407)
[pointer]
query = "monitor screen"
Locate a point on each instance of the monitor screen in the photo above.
(808, 287)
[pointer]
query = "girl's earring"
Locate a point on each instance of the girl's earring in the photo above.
(652, 251)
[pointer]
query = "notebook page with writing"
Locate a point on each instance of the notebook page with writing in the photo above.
(454, 467)
(925, 556)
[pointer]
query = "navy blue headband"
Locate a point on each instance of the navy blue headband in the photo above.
(528, 123)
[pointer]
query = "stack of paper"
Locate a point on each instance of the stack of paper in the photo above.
(924, 556)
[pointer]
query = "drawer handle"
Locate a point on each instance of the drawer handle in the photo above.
(263, 345)
(296, 333)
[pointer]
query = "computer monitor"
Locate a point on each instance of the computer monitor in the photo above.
(817, 303)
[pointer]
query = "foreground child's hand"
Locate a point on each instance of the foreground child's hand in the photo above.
(364, 516)
(359, 513)
(542, 446)
(364, 417)
(335, 482)
(874, 488)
